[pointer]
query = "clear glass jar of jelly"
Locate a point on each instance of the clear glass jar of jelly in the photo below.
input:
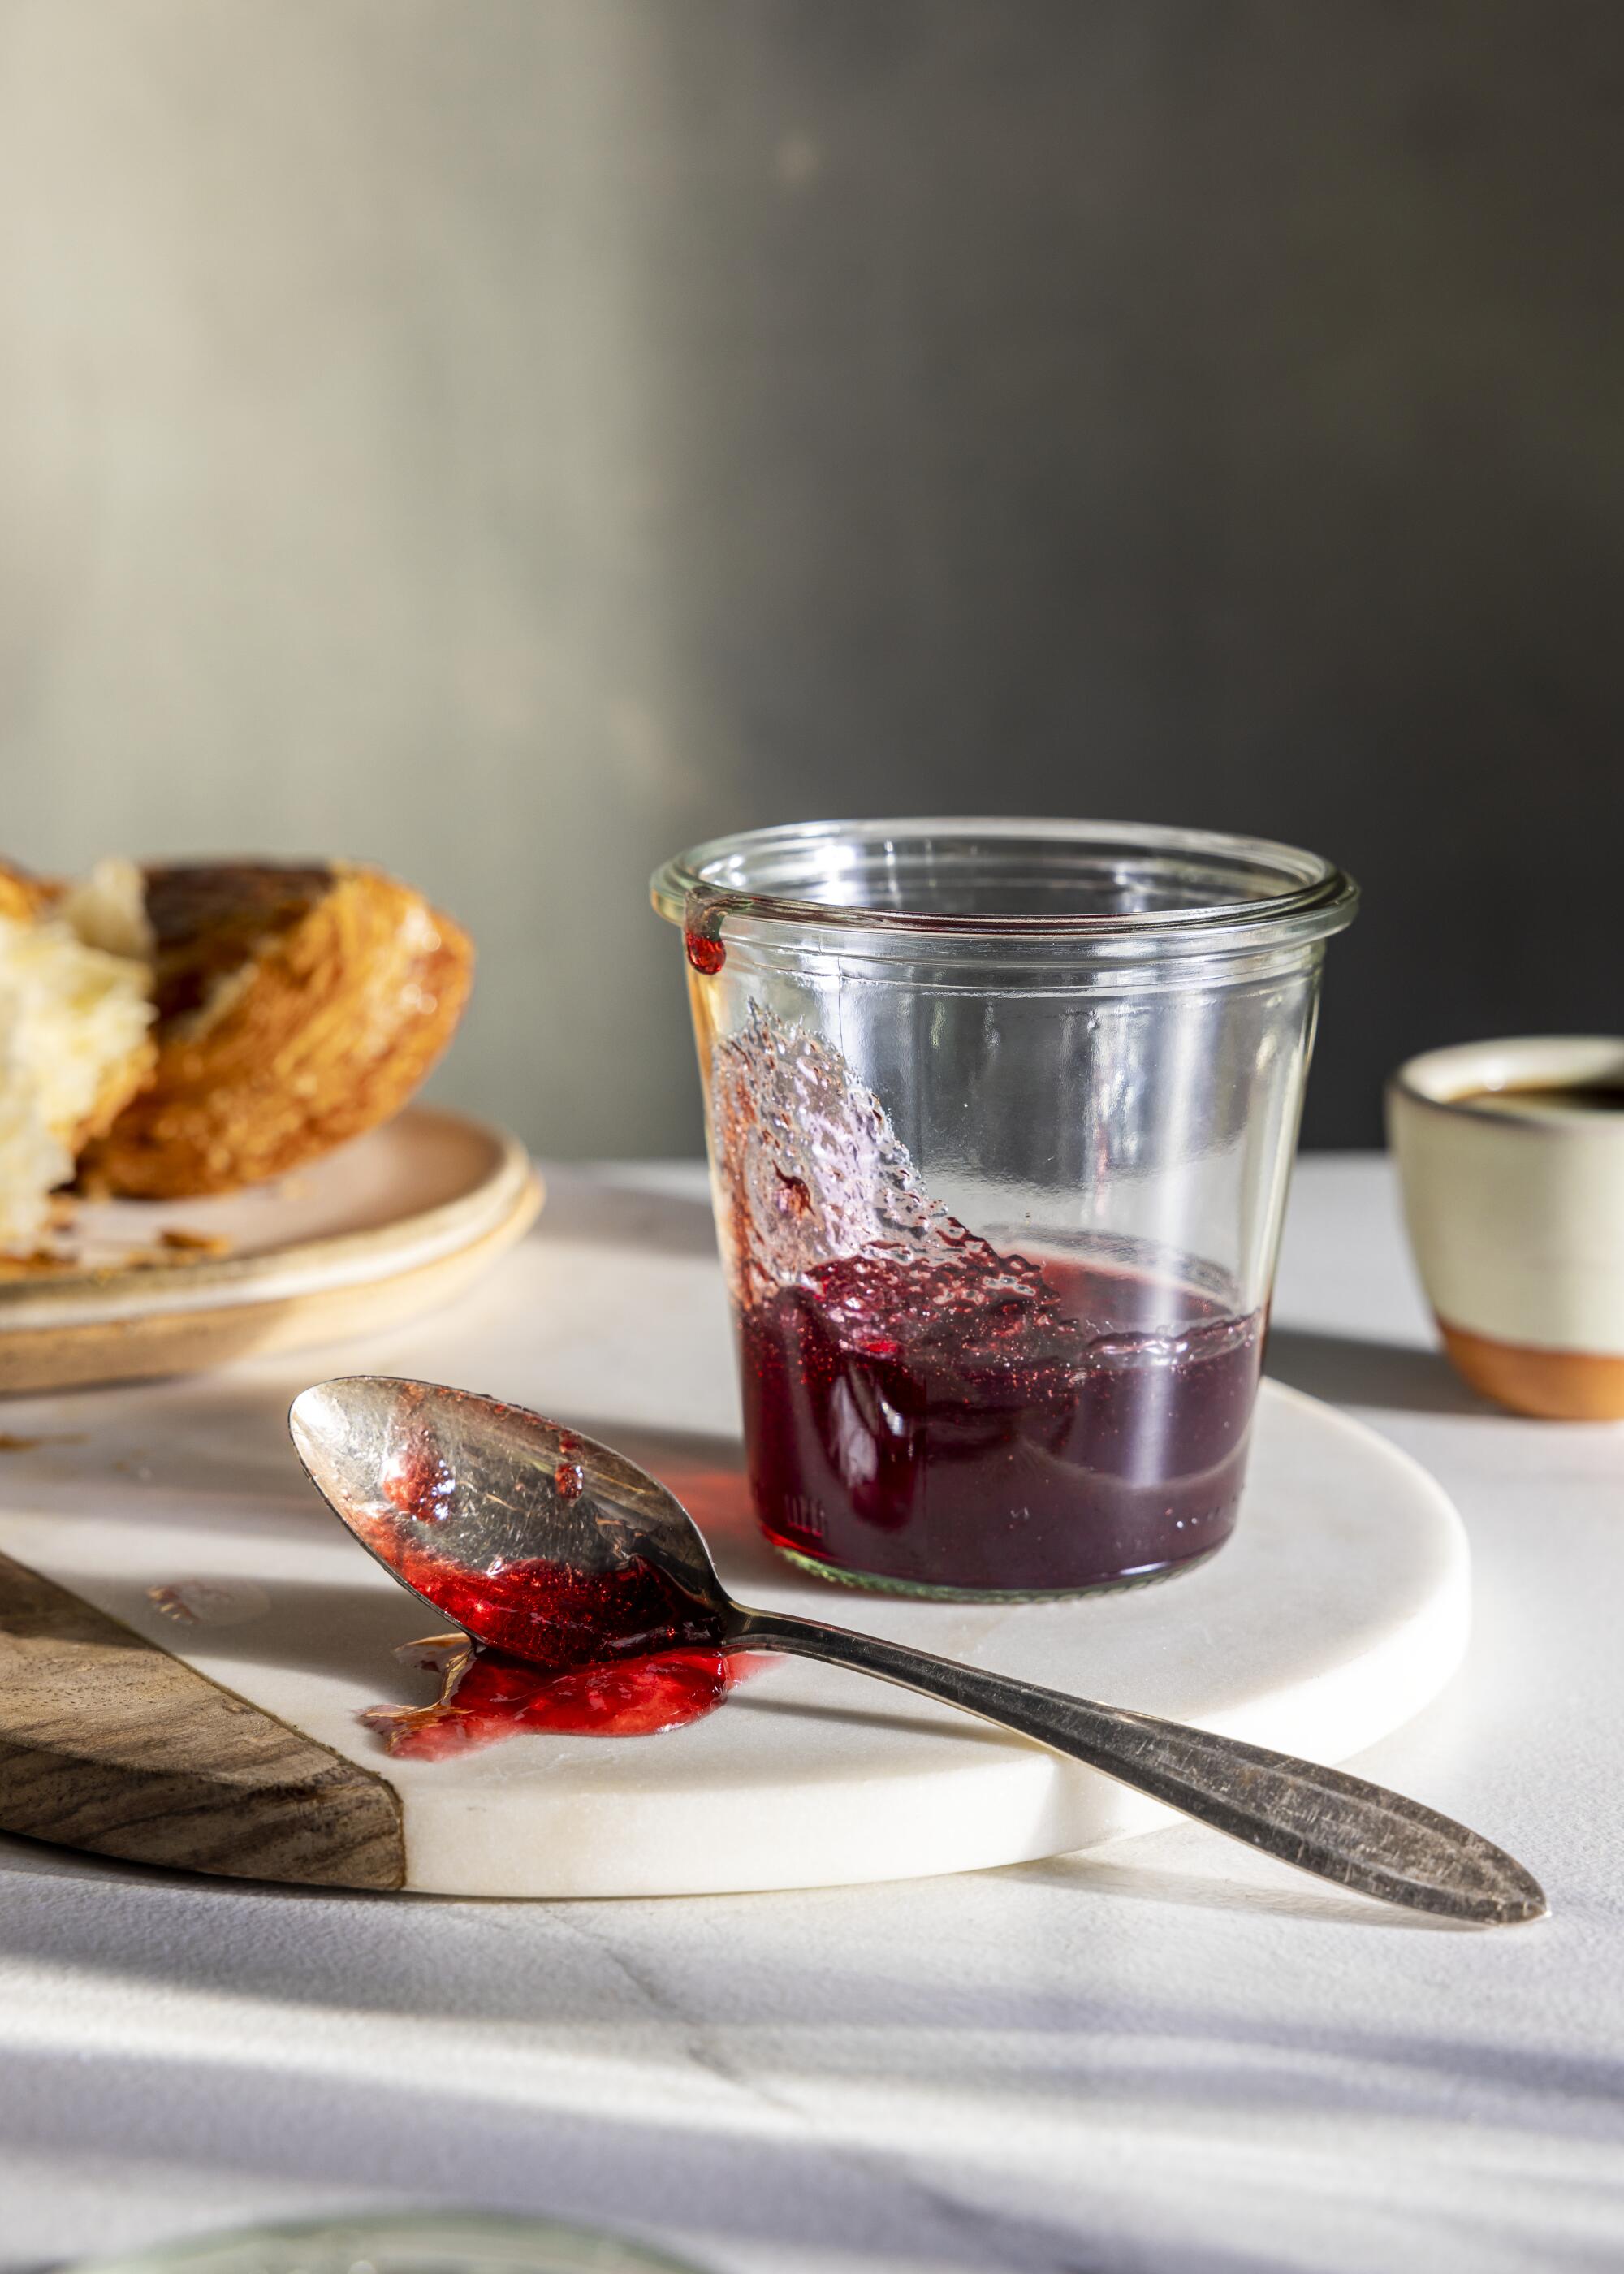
(1001, 1116)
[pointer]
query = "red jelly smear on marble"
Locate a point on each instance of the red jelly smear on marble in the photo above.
(486, 1695)
(965, 1419)
(625, 1651)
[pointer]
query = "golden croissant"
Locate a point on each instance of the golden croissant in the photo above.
(218, 1024)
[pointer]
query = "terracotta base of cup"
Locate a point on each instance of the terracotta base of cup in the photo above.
(1556, 1385)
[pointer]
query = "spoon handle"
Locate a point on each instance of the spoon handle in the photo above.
(1321, 1819)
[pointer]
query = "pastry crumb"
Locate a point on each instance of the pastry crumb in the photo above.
(194, 1243)
(38, 1263)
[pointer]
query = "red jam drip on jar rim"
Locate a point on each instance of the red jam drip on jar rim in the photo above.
(705, 953)
(701, 930)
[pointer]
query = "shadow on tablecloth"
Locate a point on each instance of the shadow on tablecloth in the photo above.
(1347, 1370)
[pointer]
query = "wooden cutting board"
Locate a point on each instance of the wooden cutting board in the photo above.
(110, 1744)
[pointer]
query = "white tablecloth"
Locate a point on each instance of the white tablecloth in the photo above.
(1175, 2057)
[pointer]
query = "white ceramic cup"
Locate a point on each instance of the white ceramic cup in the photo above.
(1515, 1209)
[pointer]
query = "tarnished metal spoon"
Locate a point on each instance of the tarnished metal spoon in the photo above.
(453, 1492)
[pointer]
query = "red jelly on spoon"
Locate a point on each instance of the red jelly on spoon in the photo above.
(597, 1638)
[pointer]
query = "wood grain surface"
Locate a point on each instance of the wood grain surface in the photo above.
(109, 1743)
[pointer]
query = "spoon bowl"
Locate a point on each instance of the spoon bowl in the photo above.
(539, 1542)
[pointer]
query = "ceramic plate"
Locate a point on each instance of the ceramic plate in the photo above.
(385, 1228)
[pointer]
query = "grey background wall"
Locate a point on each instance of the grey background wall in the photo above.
(512, 438)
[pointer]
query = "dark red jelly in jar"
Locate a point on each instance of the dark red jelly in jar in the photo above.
(977, 1422)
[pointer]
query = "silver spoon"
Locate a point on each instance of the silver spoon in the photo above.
(450, 1491)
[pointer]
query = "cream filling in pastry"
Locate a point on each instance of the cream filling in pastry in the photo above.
(75, 1007)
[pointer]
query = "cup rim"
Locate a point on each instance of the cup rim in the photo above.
(1438, 1079)
(1316, 897)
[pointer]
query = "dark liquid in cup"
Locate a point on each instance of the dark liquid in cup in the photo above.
(1549, 1098)
(980, 1422)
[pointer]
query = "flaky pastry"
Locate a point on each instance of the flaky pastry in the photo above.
(296, 1008)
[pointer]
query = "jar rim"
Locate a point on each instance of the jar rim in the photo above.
(744, 876)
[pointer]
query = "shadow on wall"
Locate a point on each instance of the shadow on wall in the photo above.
(513, 444)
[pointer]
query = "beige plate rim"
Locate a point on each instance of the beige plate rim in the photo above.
(332, 1260)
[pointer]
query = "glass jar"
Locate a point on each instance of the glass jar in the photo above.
(1000, 1115)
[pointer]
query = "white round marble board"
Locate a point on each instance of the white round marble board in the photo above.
(1338, 1610)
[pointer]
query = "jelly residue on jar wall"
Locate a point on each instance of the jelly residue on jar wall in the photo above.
(925, 1408)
